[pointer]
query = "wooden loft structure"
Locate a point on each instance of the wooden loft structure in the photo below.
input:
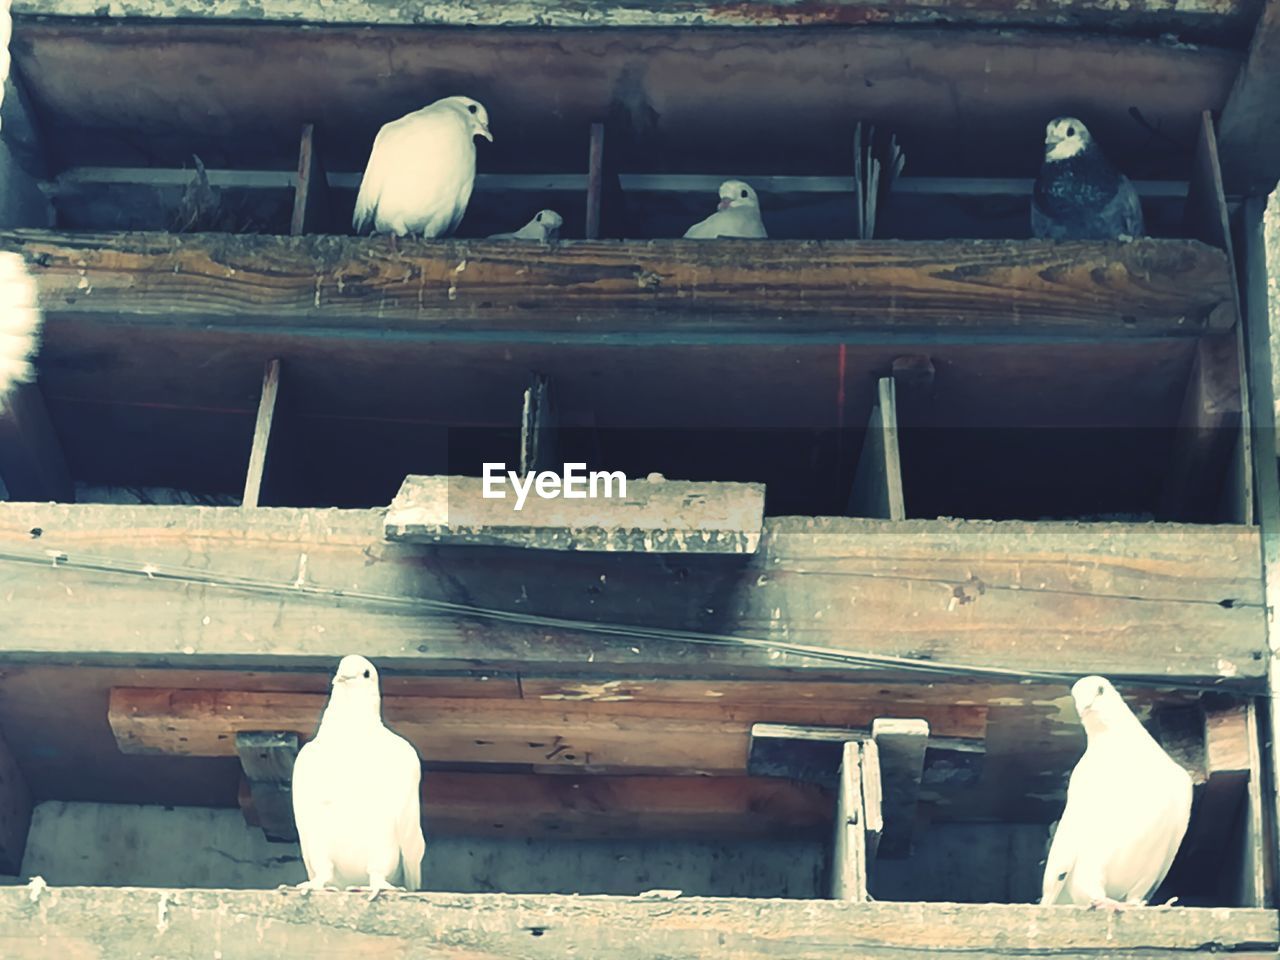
(926, 477)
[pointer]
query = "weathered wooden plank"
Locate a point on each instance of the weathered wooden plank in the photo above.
(262, 434)
(15, 812)
(1155, 600)
(902, 747)
(849, 849)
(1216, 18)
(1257, 862)
(1154, 287)
(584, 511)
(32, 463)
(267, 757)
(872, 800)
(121, 923)
(311, 189)
(1249, 131)
(576, 808)
(538, 424)
(679, 737)
(877, 484)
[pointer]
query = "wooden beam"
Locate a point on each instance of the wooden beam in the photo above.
(538, 425)
(118, 923)
(657, 737)
(262, 434)
(872, 800)
(595, 181)
(608, 513)
(849, 851)
(798, 288)
(877, 484)
(23, 160)
(15, 812)
(1257, 873)
(570, 807)
(311, 190)
(1186, 600)
(902, 747)
(32, 464)
(267, 757)
(1249, 132)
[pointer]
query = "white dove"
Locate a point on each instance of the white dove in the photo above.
(1128, 804)
(20, 320)
(738, 215)
(421, 170)
(355, 792)
(544, 226)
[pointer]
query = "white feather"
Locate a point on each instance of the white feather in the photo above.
(738, 216)
(356, 792)
(20, 320)
(1128, 805)
(544, 226)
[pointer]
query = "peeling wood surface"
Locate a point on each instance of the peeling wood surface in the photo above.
(1142, 600)
(119, 923)
(654, 516)
(1144, 287)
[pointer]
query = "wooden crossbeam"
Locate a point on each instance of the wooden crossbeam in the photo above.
(262, 434)
(656, 737)
(311, 203)
(877, 484)
(267, 758)
(1154, 287)
(572, 807)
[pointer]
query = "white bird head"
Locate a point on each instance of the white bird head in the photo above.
(550, 221)
(476, 115)
(1064, 137)
(355, 678)
(735, 193)
(1099, 705)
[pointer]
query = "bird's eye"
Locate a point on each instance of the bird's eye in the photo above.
(366, 676)
(1100, 689)
(472, 108)
(744, 194)
(1071, 131)
(538, 218)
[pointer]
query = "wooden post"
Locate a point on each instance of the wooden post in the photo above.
(858, 821)
(1250, 138)
(595, 181)
(901, 746)
(267, 761)
(15, 812)
(311, 192)
(877, 484)
(538, 424)
(31, 460)
(262, 434)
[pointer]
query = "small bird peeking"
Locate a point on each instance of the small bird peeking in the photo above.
(1128, 806)
(356, 793)
(1079, 195)
(737, 215)
(421, 170)
(544, 226)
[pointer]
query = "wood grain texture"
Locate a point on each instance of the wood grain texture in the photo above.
(849, 843)
(262, 434)
(119, 923)
(1156, 600)
(267, 759)
(1146, 287)
(678, 738)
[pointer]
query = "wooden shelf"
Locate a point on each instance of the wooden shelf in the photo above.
(121, 923)
(662, 290)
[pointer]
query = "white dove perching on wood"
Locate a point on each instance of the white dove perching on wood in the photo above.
(737, 215)
(421, 170)
(1128, 805)
(1079, 195)
(355, 792)
(544, 226)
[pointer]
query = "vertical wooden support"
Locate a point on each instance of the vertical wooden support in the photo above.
(261, 434)
(267, 761)
(900, 746)
(877, 484)
(538, 447)
(15, 812)
(23, 162)
(31, 461)
(1260, 387)
(858, 821)
(1256, 876)
(311, 190)
(595, 181)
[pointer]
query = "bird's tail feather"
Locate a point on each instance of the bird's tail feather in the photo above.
(20, 320)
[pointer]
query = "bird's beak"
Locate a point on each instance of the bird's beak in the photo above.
(339, 678)
(482, 129)
(725, 203)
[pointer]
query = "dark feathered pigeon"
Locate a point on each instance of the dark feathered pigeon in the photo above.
(1079, 195)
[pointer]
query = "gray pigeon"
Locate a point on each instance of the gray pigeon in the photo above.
(1128, 805)
(421, 170)
(737, 215)
(1079, 195)
(544, 226)
(356, 792)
